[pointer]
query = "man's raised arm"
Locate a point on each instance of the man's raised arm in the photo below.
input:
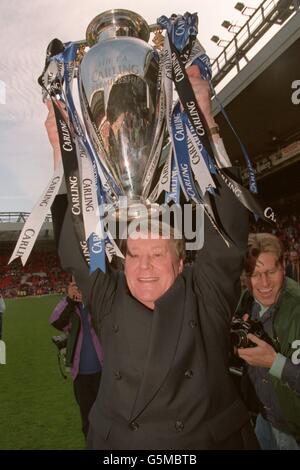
(70, 254)
(218, 267)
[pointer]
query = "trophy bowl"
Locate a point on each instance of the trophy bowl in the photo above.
(119, 99)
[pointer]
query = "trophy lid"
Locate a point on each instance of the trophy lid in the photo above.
(115, 23)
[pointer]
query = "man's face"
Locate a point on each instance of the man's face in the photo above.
(267, 279)
(151, 267)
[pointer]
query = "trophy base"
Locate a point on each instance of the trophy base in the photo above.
(132, 209)
(131, 217)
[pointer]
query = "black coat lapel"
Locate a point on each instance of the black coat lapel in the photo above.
(165, 332)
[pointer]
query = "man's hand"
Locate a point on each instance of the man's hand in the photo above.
(51, 129)
(262, 355)
(202, 92)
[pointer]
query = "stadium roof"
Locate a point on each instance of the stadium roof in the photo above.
(11, 224)
(259, 99)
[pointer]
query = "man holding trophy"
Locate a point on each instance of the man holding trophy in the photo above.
(164, 327)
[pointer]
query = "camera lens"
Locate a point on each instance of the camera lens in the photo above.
(239, 339)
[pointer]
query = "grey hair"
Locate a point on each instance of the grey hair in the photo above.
(160, 229)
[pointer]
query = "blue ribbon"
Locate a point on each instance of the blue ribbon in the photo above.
(203, 62)
(181, 28)
(97, 253)
(96, 245)
(207, 158)
(182, 155)
(174, 193)
(250, 169)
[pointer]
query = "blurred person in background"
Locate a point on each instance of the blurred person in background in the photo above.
(84, 352)
(293, 266)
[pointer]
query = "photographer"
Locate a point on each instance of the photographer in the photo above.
(273, 369)
(84, 351)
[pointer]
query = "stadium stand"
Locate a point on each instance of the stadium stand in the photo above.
(42, 273)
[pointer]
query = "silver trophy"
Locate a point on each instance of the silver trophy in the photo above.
(119, 97)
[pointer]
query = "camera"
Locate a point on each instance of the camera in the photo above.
(60, 341)
(241, 328)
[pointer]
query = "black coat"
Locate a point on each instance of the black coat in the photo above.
(165, 380)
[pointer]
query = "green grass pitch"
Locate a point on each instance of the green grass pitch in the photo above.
(37, 406)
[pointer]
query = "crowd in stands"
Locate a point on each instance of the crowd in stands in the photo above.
(41, 275)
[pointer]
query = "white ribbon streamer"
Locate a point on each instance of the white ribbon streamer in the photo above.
(36, 219)
(90, 209)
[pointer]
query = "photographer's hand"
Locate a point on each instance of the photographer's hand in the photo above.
(262, 355)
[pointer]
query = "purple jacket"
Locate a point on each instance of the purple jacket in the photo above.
(65, 326)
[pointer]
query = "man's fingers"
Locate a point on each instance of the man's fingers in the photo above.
(49, 105)
(61, 105)
(255, 339)
(247, 355)
(193, 71)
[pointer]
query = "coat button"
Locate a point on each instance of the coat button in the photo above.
(193, 324)
(116, 328)
(265, 381)
(118, 375)
(189, 374)
(179, 426)
(134, 426)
